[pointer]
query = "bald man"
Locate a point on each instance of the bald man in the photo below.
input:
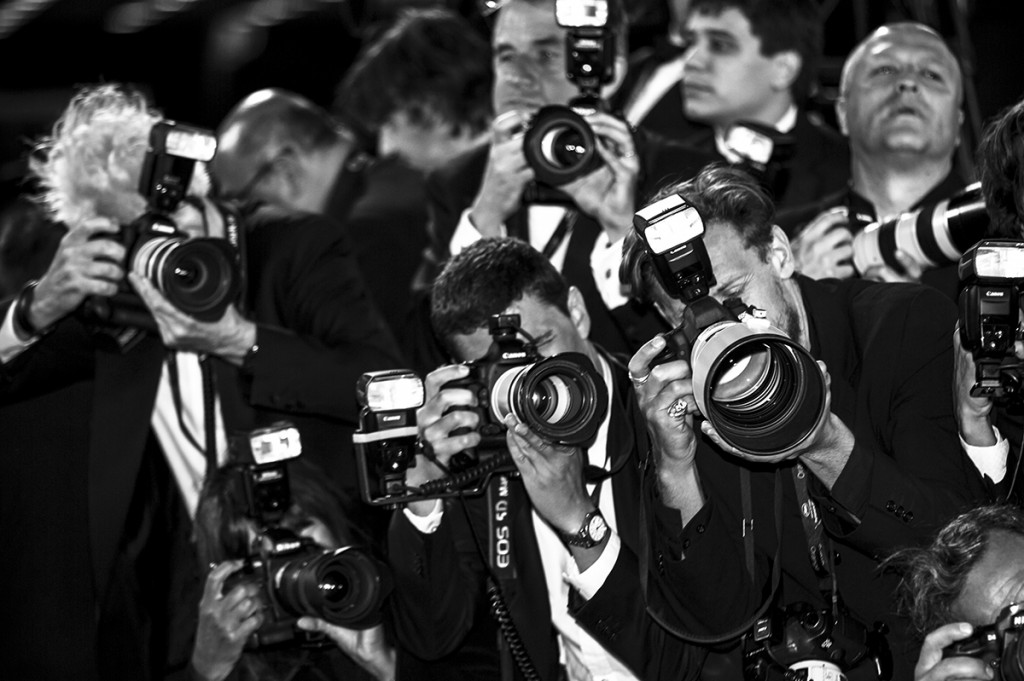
(900, 105)
(278, 147)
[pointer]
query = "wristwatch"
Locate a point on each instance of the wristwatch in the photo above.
(592, 532)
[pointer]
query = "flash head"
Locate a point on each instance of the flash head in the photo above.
(993, 259)
(389, 390)
(671, 230)
(581, 13)
(274, 444)
(183, 141)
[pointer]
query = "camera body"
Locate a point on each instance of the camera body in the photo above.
(559, 144)
(991, 277)
(803, 642)
(386, 440)
(296, 576)
(932, 236)
(763, 392)
(997, 644)
(200, 276)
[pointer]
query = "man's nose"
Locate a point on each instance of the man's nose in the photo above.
(521, 73)
(696, 57)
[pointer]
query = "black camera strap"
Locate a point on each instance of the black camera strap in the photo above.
(819, 545)
(564, 228)
(209, 451)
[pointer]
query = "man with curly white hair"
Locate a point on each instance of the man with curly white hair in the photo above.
(108, 426)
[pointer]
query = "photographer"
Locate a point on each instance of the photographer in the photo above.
(556, 561)
(488, 191)
(882, 468)
(229, 616)
(961, 584)
(110, 426)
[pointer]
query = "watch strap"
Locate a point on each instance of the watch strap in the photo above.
(582, 537)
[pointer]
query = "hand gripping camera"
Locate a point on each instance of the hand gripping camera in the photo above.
(991, 276)
(559, 144)
(298, 577)
(932, 236)
(809, 644)
(763, 392)
(199, 276)
(998, 644)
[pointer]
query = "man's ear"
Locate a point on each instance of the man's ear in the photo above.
(289, 177)
(578, 312)
(781, 254)
(786, 66)
(841, 115)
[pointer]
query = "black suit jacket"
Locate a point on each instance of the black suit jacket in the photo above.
(440, 577)
(452, 189)
(820, 164)
(888, 350)
(79, 454)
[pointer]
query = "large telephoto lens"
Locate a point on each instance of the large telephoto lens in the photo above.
(560, 146)
(763, 393)
(936, 235)
(345, 586)
(561, 398)
(197, 276)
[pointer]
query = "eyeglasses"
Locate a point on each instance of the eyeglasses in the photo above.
(246, 190)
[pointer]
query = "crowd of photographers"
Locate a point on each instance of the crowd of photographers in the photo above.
(493, 380)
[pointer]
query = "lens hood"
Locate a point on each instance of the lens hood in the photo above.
(560, 146)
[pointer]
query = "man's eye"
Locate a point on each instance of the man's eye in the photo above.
(884, 70)
(719, 46)
(544, 339)
(933, 75)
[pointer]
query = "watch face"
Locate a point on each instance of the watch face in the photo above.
(597, 528)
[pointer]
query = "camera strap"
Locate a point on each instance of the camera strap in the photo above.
(564, 228)
(209, 451)
(819, 546)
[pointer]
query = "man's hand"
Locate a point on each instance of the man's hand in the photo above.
(368, 647)
(665, 395)
(552, 475)
(88, 262)
(973, 414)
(824, 248)
(609, 193)
(931, 666)
(911, 273)
(226, 621)
(506, 175)
(229, 338)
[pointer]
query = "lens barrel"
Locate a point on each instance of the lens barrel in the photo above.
(561, 398)
(197, 276)
(763, 393)
(560, 146)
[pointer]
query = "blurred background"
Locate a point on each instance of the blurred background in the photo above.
(198, 57)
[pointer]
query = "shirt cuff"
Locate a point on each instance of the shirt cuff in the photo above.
(604, 263)
(10, 345)
(593, 578)
(465, 234)
(990, 460)
(427, 524)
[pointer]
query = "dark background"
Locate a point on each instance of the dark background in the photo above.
(198, 57)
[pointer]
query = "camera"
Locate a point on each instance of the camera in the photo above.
(559, 144)
(386, 439)
(998, 644)
(991, 276)
(200, 276)
(764, 152)
(932, 236)
(297, 577)
(762, 391)
(811, 644)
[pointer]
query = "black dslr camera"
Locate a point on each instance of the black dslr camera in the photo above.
(763, 392)
(991, 277)
(199, 276)
(298, 577)
(560, 146)
(803, 643)
(998, 644)
(561, 398)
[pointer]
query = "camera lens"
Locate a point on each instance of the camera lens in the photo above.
(763, 393)
(343, 587)
(560, 146)
(561, 398)
(197, 276)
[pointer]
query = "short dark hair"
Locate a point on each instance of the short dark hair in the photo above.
(781, 25)
(1001, 170)
(485, 279)
(430, 63)
(933, 577)
(720, 193)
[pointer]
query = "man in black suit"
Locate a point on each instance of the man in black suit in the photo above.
(579, 509)
(755, 61)
(106, 442)
(881, 469)
(486, 192)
